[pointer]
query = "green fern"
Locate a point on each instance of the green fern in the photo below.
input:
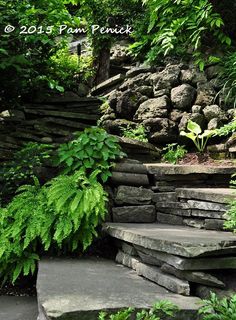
(62, 214)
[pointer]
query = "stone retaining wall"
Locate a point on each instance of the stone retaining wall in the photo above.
(137, 196)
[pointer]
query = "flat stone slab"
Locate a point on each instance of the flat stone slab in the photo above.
(219, 195)
(146, 214)
(168, 169)
(80, 289)
(18, 308)
(176, 240)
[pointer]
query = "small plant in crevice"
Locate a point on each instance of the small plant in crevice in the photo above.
(230, 224)
(22, 168)
(196, 134)
(218, 309)
(159, 311)
(62, 214)
(173, 152)
(138, 133)
(92, 149)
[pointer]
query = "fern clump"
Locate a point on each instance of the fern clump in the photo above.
(62, 214)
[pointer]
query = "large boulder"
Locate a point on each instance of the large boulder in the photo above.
(183, 96)
(127, 104)
(153, 108)
(205, 94)
(214, 112)
(168, 78)
(192, 76)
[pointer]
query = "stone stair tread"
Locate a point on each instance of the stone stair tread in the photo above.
(18, 308)
(83, 287)
(185, 169)
(221, 195)
(177, 240)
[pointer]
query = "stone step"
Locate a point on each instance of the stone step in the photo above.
(175, 240)
(81, 288)
(18, 308)
(218, 195)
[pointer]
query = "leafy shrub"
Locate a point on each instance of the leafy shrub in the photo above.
(218, 309)
(173, 153)
(139, 133)
(92, 149)
(198, 137)
(69, 69)
(62, 214)
(227, 129)
(23, 166)
(159, 311)
(177, 27)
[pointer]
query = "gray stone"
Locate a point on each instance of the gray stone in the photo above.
(192, 76)
(178, 212)
(110, 83)
(177, 240)
(145, 90)
(18, 308)
(168, 169)
(186, 264)
(205, 94)
(199, 119)
(80, 289)
(193, 276)
(153, 108)
(214, 124)
(204, 292)
(172, 205)
(184, 121)
(196, 109)
(183, 96)
(127, 104)
(134, 214)
(195, 223)
(219, 195)
(133, 195)
(167, 78)
(167, 281)
(212, 112)
(159, 93)
(129, 249)
(137, 70)
(214, 224)
(129, 167)
(204, 205)
(169, 219)
(127, 260)
(132, 179)
(176, 115)
(164, 196)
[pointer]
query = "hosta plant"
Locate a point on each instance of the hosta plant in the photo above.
(196, 134)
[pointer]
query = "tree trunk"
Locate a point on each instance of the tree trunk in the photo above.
(103, 63)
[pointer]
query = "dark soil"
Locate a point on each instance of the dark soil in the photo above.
(24, 287)
(205, 159)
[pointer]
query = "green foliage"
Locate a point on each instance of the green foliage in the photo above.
(138, 133)
(159, 311)
(218, 309)
(198, 137)
(22, 168)
(175, 27)
(230, 224)
(173, 153)
(62, 215)
(92, 149)
(69, 69)
(228, 77)
(227, 129)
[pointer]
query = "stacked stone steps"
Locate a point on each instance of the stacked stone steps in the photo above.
(81, 288)
(176, 257)
(167, 177)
